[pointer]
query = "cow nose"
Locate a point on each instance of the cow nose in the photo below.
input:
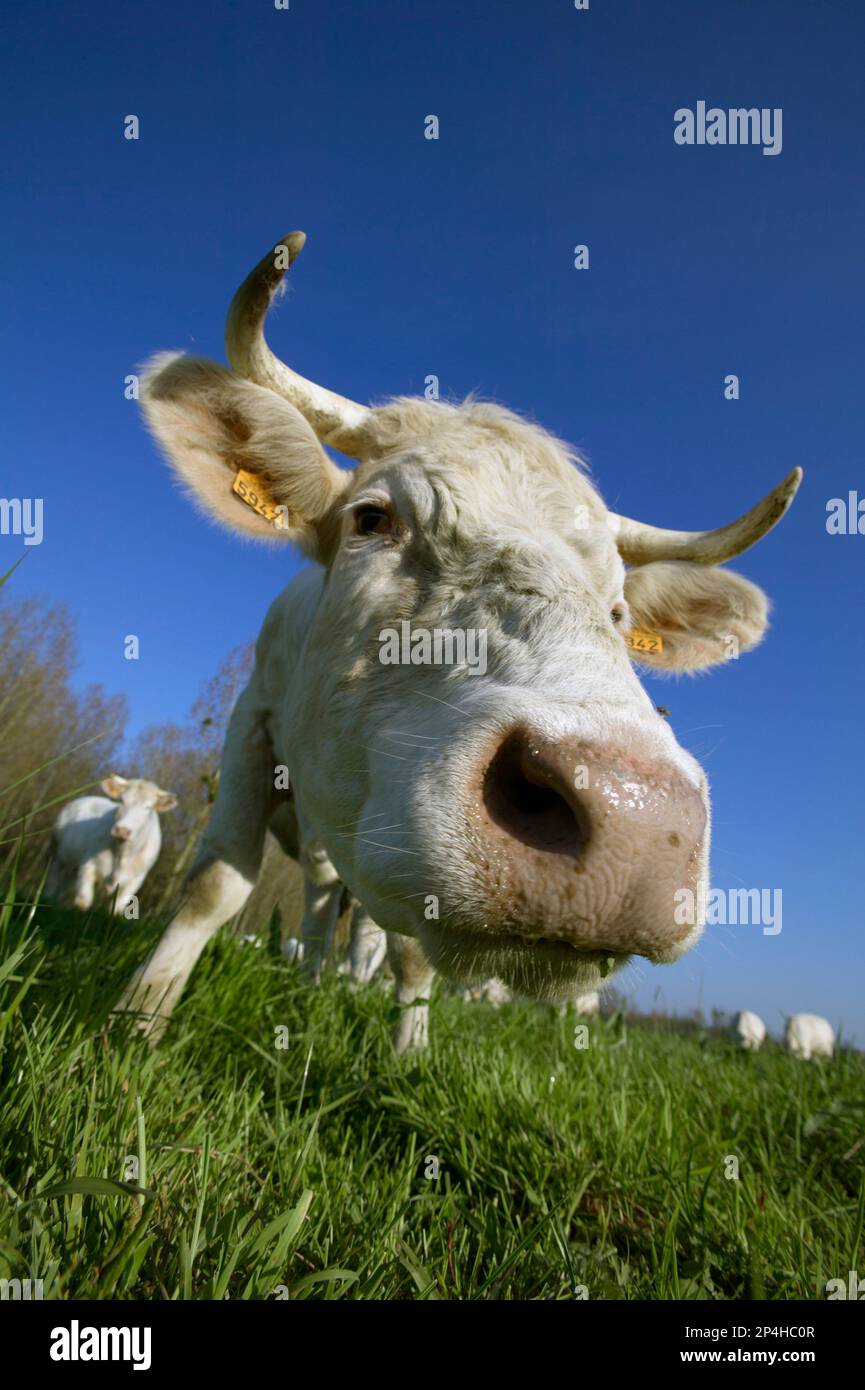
(588, 845)
(121, 832)
(530, 792)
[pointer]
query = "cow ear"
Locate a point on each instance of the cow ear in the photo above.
(700, 614)
(165, 801)
(114, 786)
(247, 456)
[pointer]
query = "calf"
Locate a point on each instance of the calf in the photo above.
(108, 844)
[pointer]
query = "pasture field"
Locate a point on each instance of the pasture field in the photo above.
(283, 1151)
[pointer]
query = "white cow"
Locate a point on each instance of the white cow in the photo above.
(588, 1004)
(107, 844)
(489, 992)
(451, 684)
(749, 1030)
(809, 1035)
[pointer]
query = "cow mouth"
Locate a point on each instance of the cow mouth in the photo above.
(556, 948)
(546, 968)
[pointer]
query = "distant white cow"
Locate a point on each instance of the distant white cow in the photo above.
(809, 1035)
(588, 1004)
(749, 1030)
(490, 991)
(107, 845)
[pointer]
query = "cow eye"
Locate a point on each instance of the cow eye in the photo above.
(370, 520)
(617, 614)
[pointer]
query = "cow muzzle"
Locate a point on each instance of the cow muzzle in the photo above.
(578, 853)
(121, 832)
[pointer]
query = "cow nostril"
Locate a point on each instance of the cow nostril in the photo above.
(519, 798)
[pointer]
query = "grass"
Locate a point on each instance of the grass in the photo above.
(226, 1165)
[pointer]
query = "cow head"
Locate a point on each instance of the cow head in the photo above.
(138, 801)
(511, 796)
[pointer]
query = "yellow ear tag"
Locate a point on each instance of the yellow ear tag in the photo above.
(642, 641)
(253, 493)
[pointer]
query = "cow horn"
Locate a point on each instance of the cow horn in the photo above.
(336, 420)
(638, 543)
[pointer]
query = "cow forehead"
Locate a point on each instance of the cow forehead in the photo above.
(140, 791)
(478, 444)
(483, 476)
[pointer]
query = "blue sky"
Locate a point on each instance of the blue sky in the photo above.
(455, 257)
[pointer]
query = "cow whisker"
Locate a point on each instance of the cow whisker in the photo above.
(373, 815)
(407, 733)
(384, 753)
(377, 829)
(418, 747)
(394, 848)
(427, 696)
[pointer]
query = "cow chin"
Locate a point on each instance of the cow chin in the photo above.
(551, 971)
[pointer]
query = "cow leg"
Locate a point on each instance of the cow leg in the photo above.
(223, 876)
(414, 979)
(58, 885)
(367, 948)
(322, 891)
(215, 892)
(284, 826)
(56, 881)
(85, 886)
(125, 893)
(322, 897)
